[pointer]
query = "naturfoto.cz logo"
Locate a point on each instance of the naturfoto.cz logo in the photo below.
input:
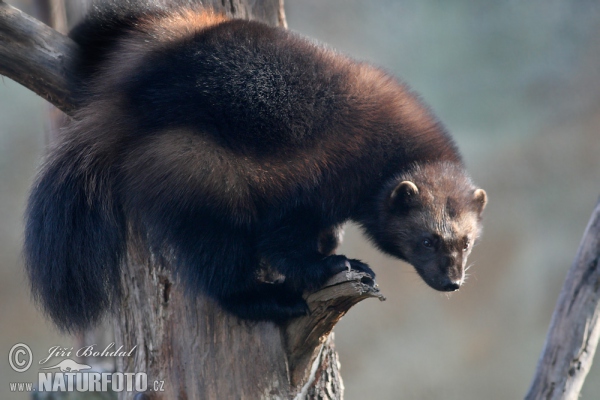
(73, 376)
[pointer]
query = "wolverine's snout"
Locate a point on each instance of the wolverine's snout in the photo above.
(445, 274)
(451, 286)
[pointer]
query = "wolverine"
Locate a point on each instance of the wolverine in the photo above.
(224, 145)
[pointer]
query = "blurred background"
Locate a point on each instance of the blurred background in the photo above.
(518, 85)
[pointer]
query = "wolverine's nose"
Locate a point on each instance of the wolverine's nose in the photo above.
(451, 286)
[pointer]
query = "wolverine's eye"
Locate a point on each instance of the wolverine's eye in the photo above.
(430, 242)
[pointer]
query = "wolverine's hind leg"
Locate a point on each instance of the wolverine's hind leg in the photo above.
(220, 260)
(272, 302)
(263, 295)
(302, 250)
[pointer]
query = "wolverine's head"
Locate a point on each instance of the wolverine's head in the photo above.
(430, 217)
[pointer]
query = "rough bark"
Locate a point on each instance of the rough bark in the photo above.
(575, 327)
(200, 351)
(194, 347)
(36, 56)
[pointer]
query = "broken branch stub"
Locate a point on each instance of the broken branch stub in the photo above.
(36, 56)
(304, 336)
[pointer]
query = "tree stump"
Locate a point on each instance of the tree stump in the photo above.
(199, 351)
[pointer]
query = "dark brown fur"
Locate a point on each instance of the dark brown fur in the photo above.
(228, 145)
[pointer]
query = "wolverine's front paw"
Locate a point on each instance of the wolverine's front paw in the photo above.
(339, 263)
(336, 264)
(323, 270)
(333, 265)
(360, 266)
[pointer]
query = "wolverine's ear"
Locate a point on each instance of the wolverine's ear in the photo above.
(403, 196)
(480, 198)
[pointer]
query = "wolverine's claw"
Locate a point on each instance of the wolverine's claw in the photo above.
(348, 266)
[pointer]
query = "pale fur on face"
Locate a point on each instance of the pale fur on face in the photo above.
(438, 204)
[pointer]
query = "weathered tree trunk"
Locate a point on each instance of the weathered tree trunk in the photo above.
(575, 328)
(202, 352)
(192, 347)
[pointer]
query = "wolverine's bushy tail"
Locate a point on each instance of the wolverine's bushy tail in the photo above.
(74, 240)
